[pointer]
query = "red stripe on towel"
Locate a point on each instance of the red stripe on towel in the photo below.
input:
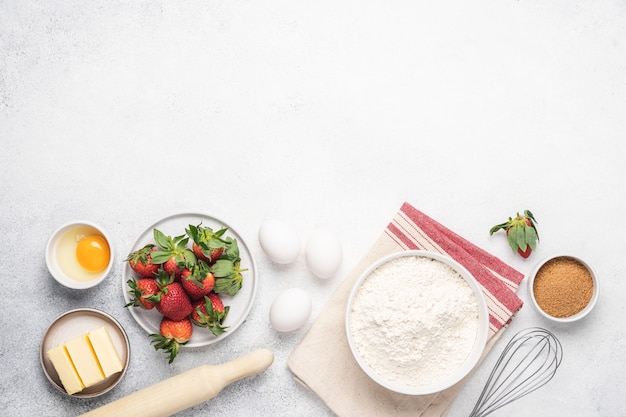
(498, 280)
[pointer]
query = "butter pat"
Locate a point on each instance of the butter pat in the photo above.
(108, 357)
(85, 360)
(61, 361)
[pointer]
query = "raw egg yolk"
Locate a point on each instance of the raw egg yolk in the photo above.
(93, 253)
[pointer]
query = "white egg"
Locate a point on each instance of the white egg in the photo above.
(323, 253)
(280, 241)
(290, 310)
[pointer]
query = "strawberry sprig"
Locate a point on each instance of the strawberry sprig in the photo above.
(227, 270)
(207, 245)
(521, 233)
(173, 252)
(172, 335)
(210, 313)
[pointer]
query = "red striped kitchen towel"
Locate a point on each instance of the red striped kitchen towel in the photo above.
(322, 361)
(412, 229)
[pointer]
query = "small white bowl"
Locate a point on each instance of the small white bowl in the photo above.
(52, 258)
(472, 358)
(577, 316)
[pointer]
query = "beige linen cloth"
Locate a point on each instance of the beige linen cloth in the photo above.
(322, 361)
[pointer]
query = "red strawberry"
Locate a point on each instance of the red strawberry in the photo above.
(207, 244)
(198, 281)
(210, 313)
(142, 290)
(140, 261)
(172, 300)
(171, 267)
(521, 233)
(173, 334)
(173, 253)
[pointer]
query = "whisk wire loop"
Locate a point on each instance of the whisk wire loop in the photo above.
(528, 362)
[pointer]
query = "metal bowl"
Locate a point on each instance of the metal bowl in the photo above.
(75, 323)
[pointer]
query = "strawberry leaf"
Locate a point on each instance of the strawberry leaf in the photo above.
(498, 227)
(511, 237)
(228, 285)
(161, 239)
(213, 244)
(160, 257)
(193, 233)
(190, 257)
(521, 237)
(532, 237)
(232, 249)
(222, 268)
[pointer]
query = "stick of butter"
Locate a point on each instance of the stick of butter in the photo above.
(85, 361)
(105, 351)
(64, 367)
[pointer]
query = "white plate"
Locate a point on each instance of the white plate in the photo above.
(73, 324)
(240, 304)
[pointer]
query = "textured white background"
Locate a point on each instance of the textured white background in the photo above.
(318, 113)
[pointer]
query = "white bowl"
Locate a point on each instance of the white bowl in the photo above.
(456, 375)
(577, 316)
(52, 259)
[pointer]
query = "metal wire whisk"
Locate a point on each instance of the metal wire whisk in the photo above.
(527, 363)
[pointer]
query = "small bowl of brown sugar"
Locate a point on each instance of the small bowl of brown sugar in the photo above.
(563, 288)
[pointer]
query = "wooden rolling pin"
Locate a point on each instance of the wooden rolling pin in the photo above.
(186, 389)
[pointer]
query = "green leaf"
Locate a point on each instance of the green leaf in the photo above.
(222, 268)
(220, 232)
(232, 249)
(521, 238)
(213, 244)
(228, 285)
(161, 240)
(498, 227)
(528, 214)
(159, 257)
(531, 237)
(511, 237)
(192, 232)
(181, 241)
(190, 257)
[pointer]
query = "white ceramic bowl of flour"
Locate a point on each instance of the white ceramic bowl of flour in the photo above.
(417, 322)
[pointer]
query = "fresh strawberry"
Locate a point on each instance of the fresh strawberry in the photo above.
(172, 267)
(140, 261)
(198, 281)
(173, 334)
(172, 300)
(210, 312)
(521, 233)
(217, 303)
(207, 244)
(173, 253)
(142, 290)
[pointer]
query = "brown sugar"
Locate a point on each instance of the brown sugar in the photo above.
(563, 287)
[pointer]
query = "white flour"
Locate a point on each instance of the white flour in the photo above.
(414, 320)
